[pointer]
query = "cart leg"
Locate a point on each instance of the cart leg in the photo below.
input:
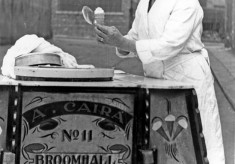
(7, 158)
(149, 156)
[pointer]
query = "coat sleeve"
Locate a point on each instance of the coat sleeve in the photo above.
(178, 30)
(132, 35)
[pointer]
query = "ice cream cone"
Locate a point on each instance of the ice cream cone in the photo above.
(170, 119)
(157, 126)
(182, 124)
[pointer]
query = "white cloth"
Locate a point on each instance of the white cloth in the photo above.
(32, 43)
(168, 43)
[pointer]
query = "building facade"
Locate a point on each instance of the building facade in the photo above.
(63, 18)
(21, 17)
(68, 21)
(230, 23)
(214, 16)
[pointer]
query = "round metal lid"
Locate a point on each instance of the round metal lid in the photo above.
(43, 73)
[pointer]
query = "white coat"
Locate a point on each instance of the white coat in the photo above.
(168, 43)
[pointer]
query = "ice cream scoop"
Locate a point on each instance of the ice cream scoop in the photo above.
(99, 10)
(99, 15)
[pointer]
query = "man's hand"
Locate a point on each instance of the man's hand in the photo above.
(109, 35)
(112, 36)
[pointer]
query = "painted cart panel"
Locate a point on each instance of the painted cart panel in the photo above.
(100, 125)
(4, 97)
(173, 131)
(76, 128)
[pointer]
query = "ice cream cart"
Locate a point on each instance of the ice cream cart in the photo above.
(126, 119)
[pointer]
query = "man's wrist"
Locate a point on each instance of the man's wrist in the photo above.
(123, 43)
(128, 45)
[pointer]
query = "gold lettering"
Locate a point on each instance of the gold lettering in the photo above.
(105, 111)
(49, 159)
(118, 116)
(37, 114)
(39, 159)
(69, 107)
(85, 108)
(76, 159)
(85, 159)
(66, 159)
(57, 159)
(94, 160)
(95, 108)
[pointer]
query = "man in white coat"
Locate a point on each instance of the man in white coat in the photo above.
(166, 37)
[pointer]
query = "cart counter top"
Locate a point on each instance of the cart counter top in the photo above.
(122, 80)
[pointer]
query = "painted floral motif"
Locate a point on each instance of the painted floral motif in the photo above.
(170, 128)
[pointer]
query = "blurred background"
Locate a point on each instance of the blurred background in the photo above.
(63, 18)
(59, 18)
